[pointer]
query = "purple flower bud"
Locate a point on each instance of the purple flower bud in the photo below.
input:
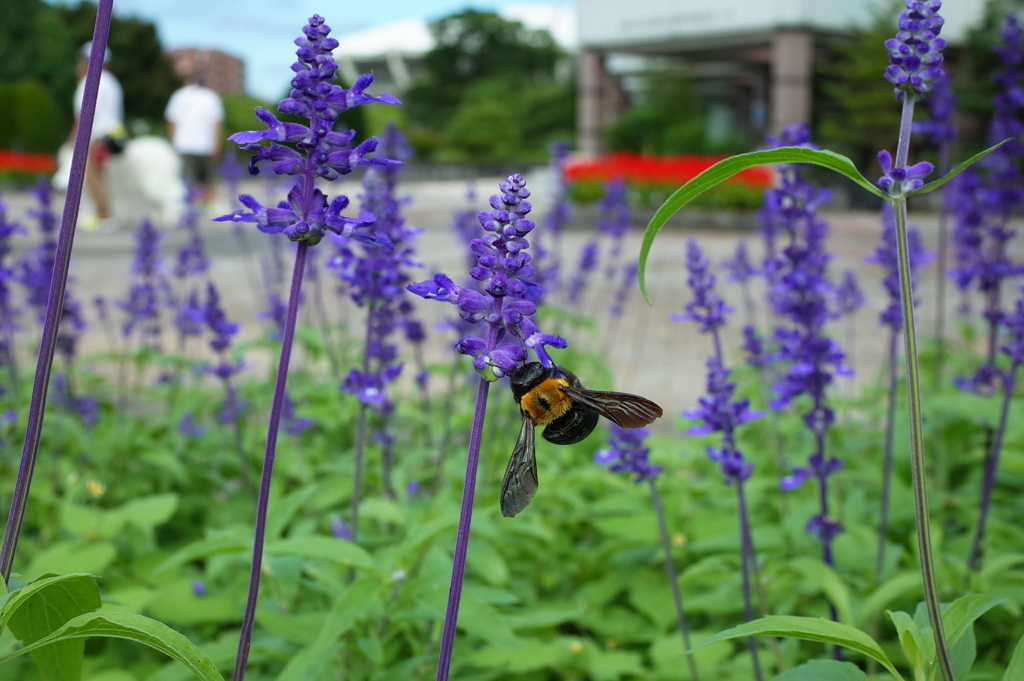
(626, 453)
(198, 588)
(915, 54)
(340, 529)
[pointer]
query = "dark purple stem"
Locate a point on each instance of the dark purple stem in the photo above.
(991, 466)
(288, 335)
(55, 299)
(883, 525)
(746, 541)
(673, 581)
(747, 551)
(451, 615)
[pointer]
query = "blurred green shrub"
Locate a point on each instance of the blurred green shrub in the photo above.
(729, 195)
(29, 117)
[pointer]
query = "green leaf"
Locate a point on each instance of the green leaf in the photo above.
(35, 611)
(133, 628)
(932, 186)
(204, 548)
(1015, 670)
(961, 614)
(918, 644)
(311, 660)
(148, 512)
(963, 653)
(815, 572)
(323, 548)
(823, 670)
(726, 168)
(282, 511)
(808, 629)
(895, 587)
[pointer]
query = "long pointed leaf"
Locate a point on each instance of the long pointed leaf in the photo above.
(808, 629)
(133, 628)
(932, 186)
(726, 168)
(958, 617)
(1015, 670)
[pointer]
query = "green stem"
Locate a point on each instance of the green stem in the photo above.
(917, 460)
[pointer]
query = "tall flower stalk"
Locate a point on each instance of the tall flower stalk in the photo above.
(721, 414)
(626, 453)
(306, 217)
(1014, 349)
(915, 57)
(376, 278)
(801, 295)
(55, 301)
(505, 306)
(739, 270)
(984, 199)
(886, 255)
(940, 131)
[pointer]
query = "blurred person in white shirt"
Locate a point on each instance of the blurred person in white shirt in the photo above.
(107, 129)
(195, 118)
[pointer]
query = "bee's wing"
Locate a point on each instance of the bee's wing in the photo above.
(622, 409)
(520, 483)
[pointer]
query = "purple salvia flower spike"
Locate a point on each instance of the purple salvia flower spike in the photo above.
(504, 303)
(719, 413)
(306, 217)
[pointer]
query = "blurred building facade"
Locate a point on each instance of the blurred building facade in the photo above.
(393, 52)
(751, 61)
(223, 73)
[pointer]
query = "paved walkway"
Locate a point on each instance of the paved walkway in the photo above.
(648, 354)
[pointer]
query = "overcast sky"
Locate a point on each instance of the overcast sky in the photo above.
(261, 31)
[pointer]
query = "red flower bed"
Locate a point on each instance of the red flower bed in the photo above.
(26, 162)
(644, 169)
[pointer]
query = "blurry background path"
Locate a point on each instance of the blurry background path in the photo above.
(648, 353)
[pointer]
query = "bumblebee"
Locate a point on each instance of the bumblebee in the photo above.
(554, 398)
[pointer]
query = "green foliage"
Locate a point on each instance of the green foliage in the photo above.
(573, 588)
(36, 45)
(667, 120)
(137, 59)
(489, 91)
(29, 117)
(728, 195)
(857, 115)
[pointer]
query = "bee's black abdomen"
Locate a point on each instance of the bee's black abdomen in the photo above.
(573, 427)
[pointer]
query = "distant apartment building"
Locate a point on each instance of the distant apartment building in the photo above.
(751, 61)
(223, 73)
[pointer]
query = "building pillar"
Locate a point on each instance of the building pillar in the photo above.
(599, 102)
(792, 65)
(588, 103)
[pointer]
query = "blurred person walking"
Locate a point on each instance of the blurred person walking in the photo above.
(195, 118)
(108, 134)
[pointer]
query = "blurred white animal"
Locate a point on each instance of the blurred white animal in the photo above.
(143, 181)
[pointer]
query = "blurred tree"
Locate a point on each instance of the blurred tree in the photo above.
(137, 59)
(514, 68)
(667, 120)
(35, 44)
(29, 117)
(857, 113)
